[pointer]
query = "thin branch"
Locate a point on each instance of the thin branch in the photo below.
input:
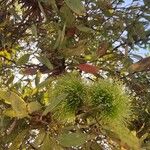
(12, 126)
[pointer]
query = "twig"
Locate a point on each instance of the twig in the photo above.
(12, 126)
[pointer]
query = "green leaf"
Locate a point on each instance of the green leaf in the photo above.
(44, 60)
(24, 59)
(10, 113)
(34, 106)
(39, 139)
(58, 40)
(77, 50)
(122, 135)
(146, 2)
(17, 103)
(18, 140)
(146, 146)
(46, 143)
(76, 6)
(34, 30)
(53, 4)
(84, 29)
(72, 139)
(61, 35)
(4, 96)
(10, 80)
(67, 15)
(37, 79)
(54, 103)
(45, 83)
(50, 144)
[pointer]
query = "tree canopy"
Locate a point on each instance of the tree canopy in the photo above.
(71, 75)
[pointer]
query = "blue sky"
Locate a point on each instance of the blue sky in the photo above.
(128, 1)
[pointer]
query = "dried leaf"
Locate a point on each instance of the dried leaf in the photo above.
(102, 49)
(88, 68)
(70, 32)
(142, 65)
(30, 71)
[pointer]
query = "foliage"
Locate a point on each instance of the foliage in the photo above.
(103, 103)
